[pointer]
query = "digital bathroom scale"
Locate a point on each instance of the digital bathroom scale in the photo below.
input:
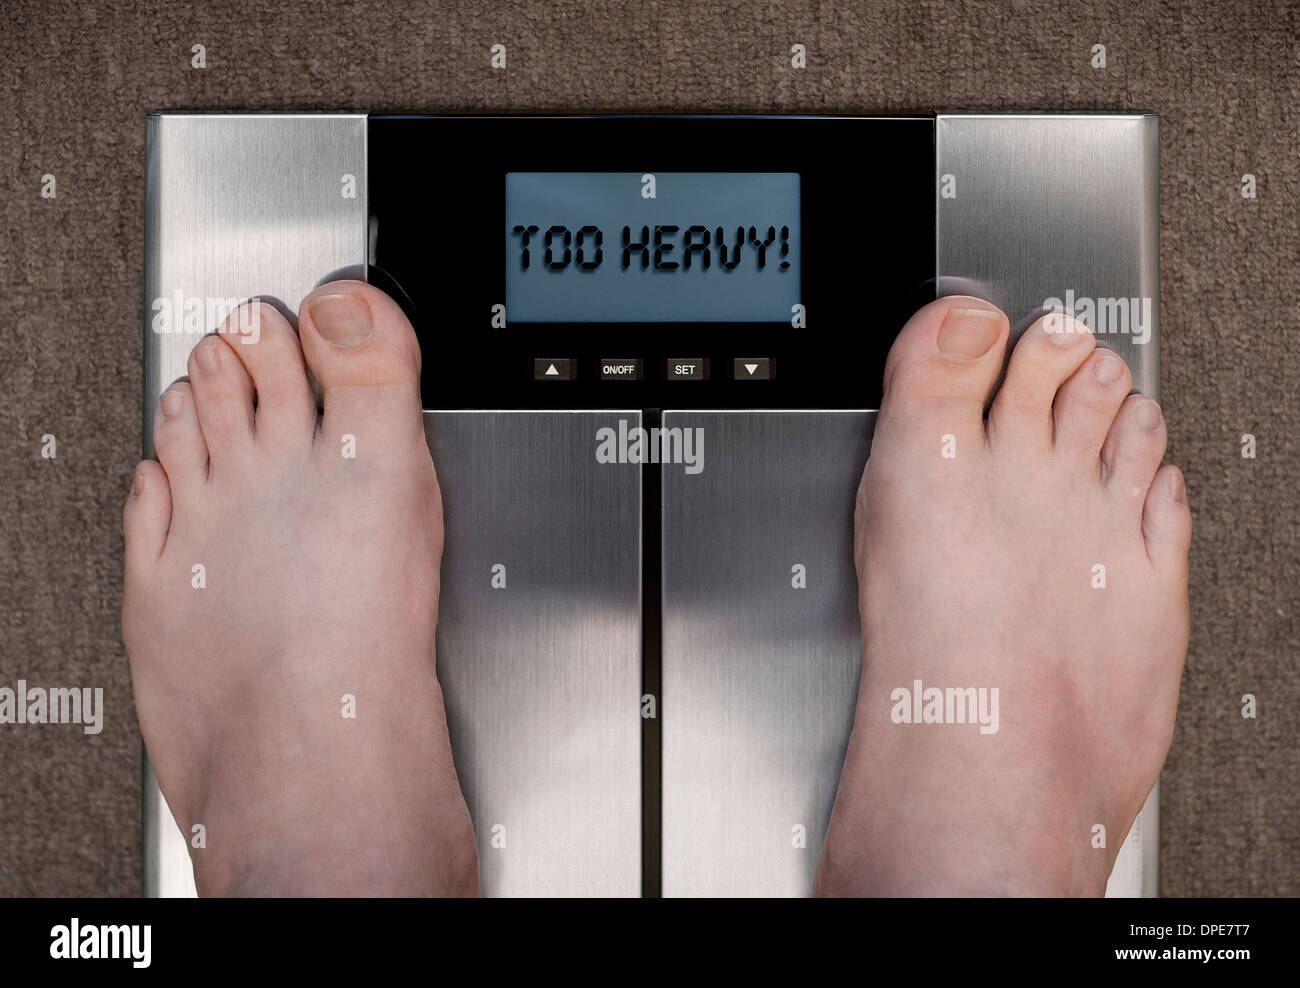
(642, 699)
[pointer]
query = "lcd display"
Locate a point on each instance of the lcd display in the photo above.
(663, 247)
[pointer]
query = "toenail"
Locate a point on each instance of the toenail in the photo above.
(205, 355)
(247, 324)
(969, 333)
(1149, 415)
(343, 320)
(1107, 367)
(137, 482)
(1064, 332)
(172, 403)
(1177, 488)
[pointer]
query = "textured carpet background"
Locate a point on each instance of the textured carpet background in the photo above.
(78, 79)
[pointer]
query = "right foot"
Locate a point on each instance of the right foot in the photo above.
(321, 573)
(979, 570)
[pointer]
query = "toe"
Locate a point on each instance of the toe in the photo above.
(1087, 404)
(268, 349)
(223, 397)
(1167, 521)
(178, 441)
(939, 373)
(365, 355)
(1049, 351)
(1133, 449)
(146, 517)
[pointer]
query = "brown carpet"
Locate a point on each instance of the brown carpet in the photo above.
(78, 79)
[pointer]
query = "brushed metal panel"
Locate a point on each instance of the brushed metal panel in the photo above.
(1046, 205)
(1049, 204)
(759, 679)
(542, 679)
(237, 206)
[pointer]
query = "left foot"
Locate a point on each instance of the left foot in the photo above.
(319, 541)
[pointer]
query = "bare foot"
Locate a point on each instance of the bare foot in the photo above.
(980, 569)
(319, 541)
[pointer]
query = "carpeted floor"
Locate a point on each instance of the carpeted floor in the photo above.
(78, 79)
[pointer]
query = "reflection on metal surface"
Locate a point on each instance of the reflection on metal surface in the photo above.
(542, 678)
(1050, 205)
(759, 678)
(237, 206)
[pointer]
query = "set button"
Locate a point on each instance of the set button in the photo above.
(688, 368)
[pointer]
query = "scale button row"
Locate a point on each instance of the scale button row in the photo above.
(631, 369)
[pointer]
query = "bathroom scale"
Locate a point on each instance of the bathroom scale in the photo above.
(652, 350)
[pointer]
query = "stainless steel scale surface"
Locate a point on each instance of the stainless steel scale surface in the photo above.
(627, 582)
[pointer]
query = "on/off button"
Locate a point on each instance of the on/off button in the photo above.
(620, 369)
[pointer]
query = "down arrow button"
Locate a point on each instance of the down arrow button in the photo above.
(752, 369)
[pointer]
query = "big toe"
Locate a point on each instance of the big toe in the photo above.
(938, 377)
(364, 353)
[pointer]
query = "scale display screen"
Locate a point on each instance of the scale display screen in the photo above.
(618, 247)
(652, 261)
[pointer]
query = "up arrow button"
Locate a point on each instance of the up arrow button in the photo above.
(559, 369)
(752, 369)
